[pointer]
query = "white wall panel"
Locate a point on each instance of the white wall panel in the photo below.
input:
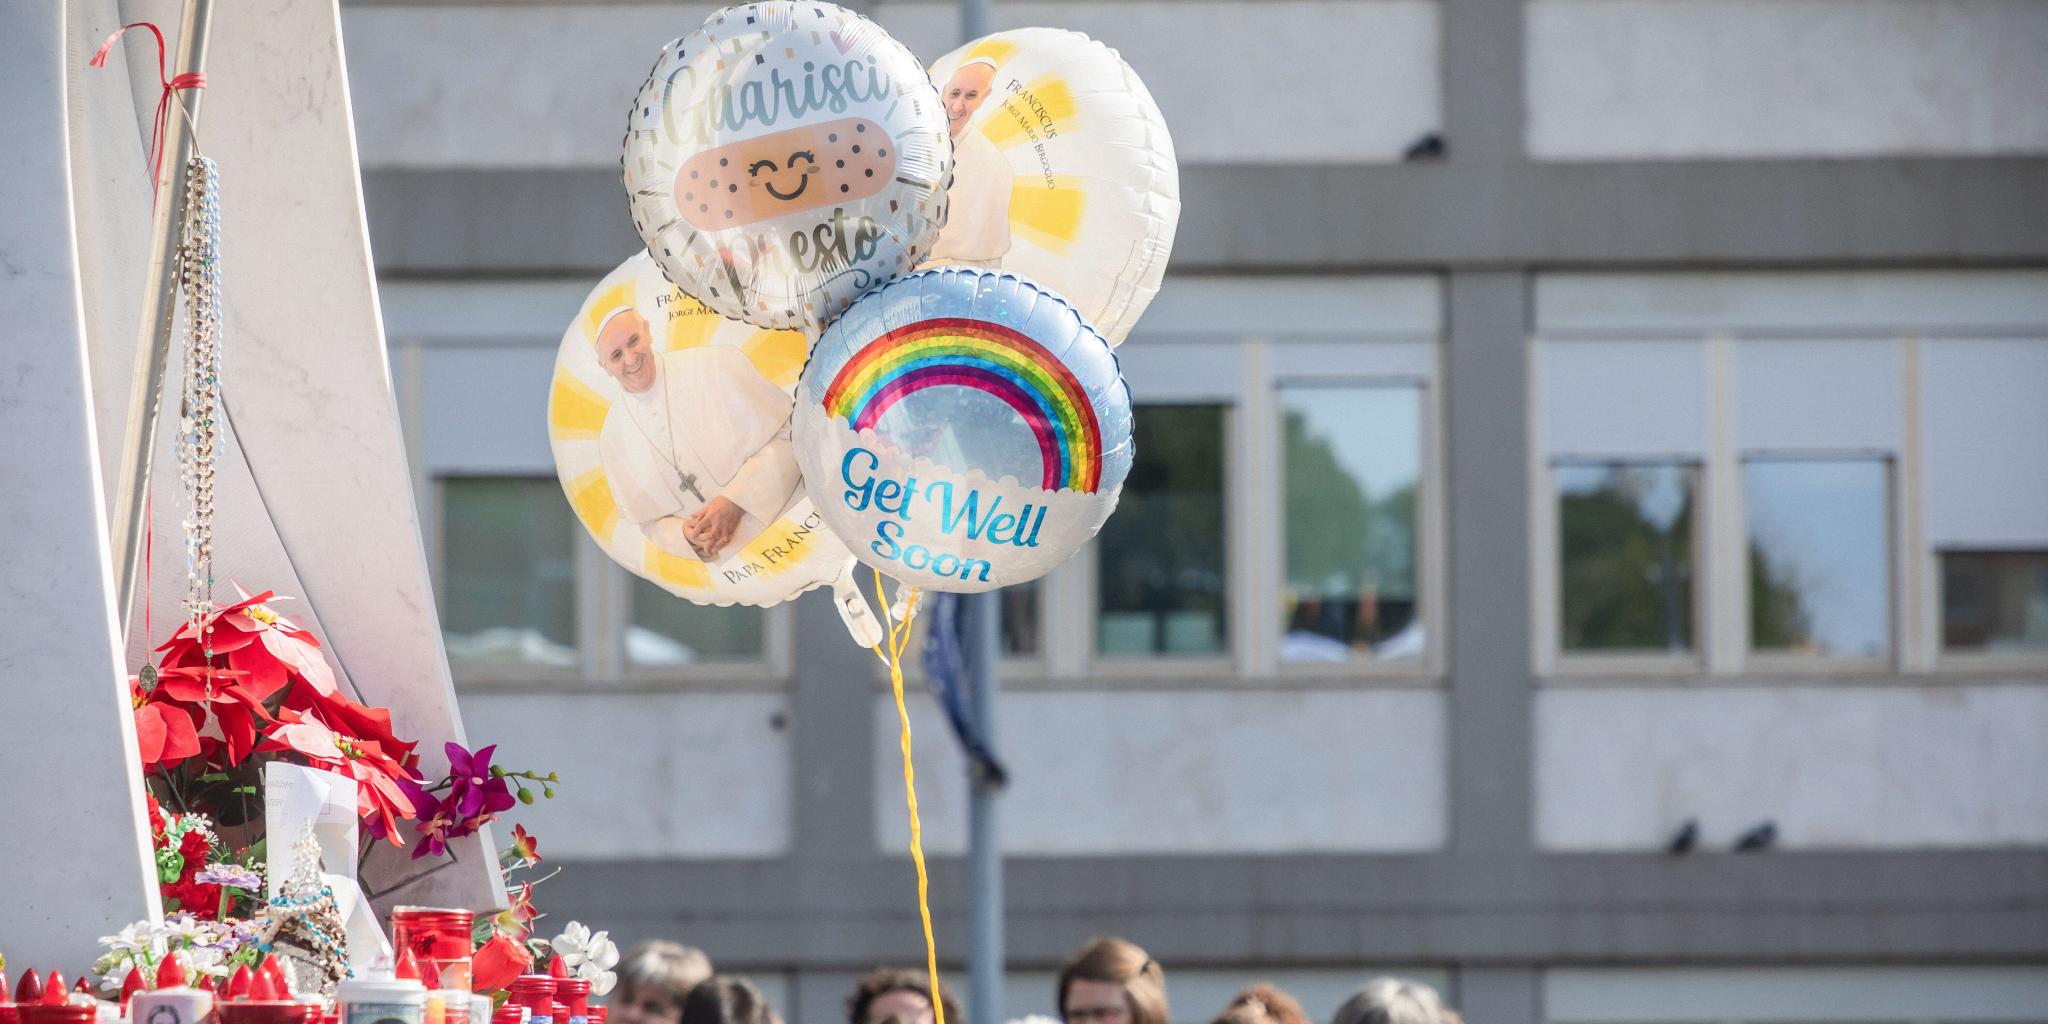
(1808, 995)
(646, 775)
(1677, 79)
(1986, 426)
(1622, 399)
(548, 85)
(484, 410)
(1835, 767)
(1185, 772)
(1760, 302)
(1818, 395)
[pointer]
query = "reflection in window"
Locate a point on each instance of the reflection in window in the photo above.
(1352, 462)
(508, 571)
(1994, 601)
(1625, 548)
(1160, 573)
(669, 630)
(1819, 563)
(1020, 619)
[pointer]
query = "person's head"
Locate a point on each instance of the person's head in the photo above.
(654, 978)
(726, 999)
(965, 91)
(1110, 981)
(900, 994)
(625, 348)
(1391, 1001)
(1263, 1003)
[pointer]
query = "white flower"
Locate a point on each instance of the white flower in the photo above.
(589, 956)
(187, 929)
(139, 937)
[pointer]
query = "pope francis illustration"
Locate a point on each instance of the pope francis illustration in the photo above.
(977, 227)
(697, 450)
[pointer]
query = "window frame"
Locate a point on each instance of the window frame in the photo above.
(1429, 533)
(1781, 663)
(1547, 576)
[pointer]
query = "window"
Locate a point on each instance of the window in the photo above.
(1160, 576)
(508, 581)
(1994, 601)
(1818, 557)
(1626, 557)
(668, 630)
(1020, 620)
(1352, 462)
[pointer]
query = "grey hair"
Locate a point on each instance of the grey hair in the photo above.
(1391, 1001)
(669, 968)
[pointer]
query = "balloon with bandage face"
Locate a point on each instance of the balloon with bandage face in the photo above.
(784, 158)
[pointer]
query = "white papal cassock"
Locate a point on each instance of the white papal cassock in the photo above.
(711, 425)
(977, 227)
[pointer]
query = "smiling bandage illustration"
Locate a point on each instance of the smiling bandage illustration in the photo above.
(785, 172)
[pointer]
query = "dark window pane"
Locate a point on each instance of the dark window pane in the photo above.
(1353, 460)
(508, 571)
(1625, 546)
(668, 630)
(1994, 600)
(1819, 564)
(1020, 619)
(1160, 568)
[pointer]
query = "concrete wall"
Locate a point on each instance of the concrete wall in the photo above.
(1694, 79)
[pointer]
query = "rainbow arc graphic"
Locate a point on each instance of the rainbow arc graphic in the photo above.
(985, 357)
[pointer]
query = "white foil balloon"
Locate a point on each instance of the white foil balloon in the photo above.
(963, 430)
(784, 158)
(670, 430)
(1063, 171)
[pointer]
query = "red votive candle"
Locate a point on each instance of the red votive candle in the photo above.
(436, 935)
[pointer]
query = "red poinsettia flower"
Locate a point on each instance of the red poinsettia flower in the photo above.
(250, 637)
(377, 775)
(165, 732)
(498, 962)
(352, 719)
(224, 696)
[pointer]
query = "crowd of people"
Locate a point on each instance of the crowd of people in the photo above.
(1108, 981)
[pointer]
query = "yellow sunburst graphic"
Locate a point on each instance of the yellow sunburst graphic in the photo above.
(775, 550)
(779, 355)
(575, 412)
(689, 323)
(998, 50)
(681, 572)
(600, 308)
(591, 496)
(1048, 217)
(1041, 102)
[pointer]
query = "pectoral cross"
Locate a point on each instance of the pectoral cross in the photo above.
(689, 481)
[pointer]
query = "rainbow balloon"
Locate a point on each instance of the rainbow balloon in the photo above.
(987, 357)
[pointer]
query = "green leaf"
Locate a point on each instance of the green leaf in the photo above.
(214, 777)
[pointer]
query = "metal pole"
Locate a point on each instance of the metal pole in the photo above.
(984, 685)
(984, 846)
(159, 310)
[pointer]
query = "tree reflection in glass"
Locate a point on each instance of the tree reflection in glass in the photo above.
(1160, 558)
(1625, 546)
(1352, 460)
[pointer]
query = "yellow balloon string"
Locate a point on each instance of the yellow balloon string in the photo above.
(899, 637)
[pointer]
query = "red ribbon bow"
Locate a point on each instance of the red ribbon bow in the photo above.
(188, 80)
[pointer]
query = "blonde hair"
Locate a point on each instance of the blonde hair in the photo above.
(658, 965)
(1118, 962)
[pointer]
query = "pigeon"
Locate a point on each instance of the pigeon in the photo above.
(1759, 838)
(1687, 838)
(1428, 147)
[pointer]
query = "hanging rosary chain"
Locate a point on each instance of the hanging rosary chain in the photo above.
(199, 410)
